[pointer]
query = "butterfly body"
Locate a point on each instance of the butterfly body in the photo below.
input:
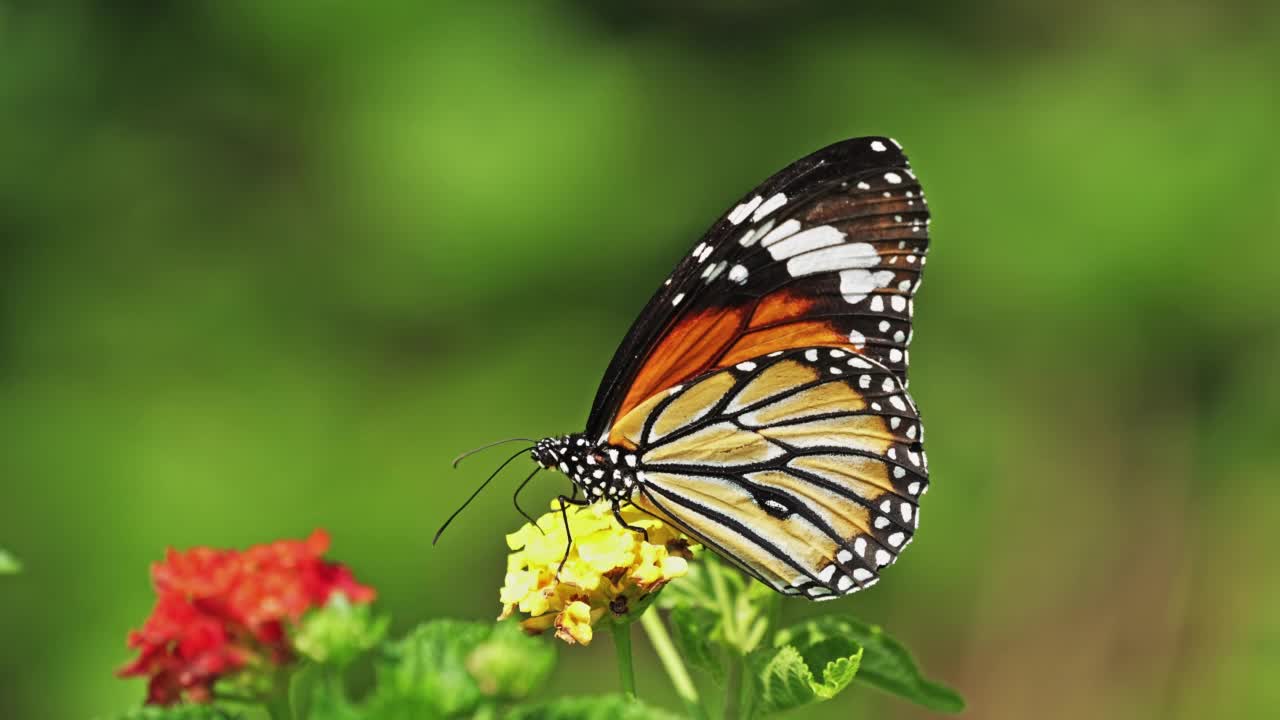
(601, 471)
(760, 401)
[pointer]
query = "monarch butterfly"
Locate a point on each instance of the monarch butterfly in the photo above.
(759, 401)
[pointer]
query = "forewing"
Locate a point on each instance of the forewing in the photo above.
(827, 252)
(805, 467)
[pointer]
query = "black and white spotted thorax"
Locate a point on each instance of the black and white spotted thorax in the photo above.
(604, 472)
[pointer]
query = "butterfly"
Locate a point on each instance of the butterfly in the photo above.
(759, 402)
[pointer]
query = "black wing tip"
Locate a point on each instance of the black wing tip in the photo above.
(873, 149)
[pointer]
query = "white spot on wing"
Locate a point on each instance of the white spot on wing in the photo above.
(811, 239)
(785, 230)
(849, 255)
(856, 284)
(738, 274)
(878, 146)
(676, 300)
(768, 206)
(893, 177)
(713, 271)
(740, 213)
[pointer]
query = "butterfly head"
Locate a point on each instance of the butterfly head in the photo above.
(602, 471)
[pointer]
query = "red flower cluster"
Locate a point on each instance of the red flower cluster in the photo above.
(219, 611)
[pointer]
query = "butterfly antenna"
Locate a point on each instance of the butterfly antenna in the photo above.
(486, 446)
(484, 484)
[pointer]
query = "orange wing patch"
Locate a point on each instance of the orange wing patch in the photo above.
(784, 337)
(688, 350)
(779, 307)
(721, 337)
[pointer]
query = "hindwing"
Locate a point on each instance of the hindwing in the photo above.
(803, 466)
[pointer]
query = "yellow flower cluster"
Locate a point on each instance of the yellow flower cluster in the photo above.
(611, 571)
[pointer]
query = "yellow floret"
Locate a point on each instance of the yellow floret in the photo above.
(610, 571)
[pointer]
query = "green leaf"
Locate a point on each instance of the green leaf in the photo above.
(886, 664)
(510, 665)
(695, 588)
(790, 676)
(749, 602)
(317, 692)
(604, 707)
(178, 712)
(694, 630)
(339, 632)
(425, 674)
(9, 564)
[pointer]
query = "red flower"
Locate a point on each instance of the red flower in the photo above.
(219, 611)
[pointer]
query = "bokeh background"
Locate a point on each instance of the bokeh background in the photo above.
(267, 267)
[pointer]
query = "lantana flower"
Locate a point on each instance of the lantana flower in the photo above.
(221, 612)
(611, 573)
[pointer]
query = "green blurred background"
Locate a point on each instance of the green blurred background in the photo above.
(267, 267)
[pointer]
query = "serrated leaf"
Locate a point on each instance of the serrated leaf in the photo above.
(789, 677)
(886, 664)
(695, 630)
(509, 665)
(424, 674)
(9, 564)
(604, 707)
(178, 712)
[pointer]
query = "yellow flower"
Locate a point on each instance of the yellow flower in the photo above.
(610, 571)
(573, 624)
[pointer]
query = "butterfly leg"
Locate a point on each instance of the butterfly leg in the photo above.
(617, 513)
(565, 502)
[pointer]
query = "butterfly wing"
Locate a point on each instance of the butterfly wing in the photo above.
(829, 251)
(804, 466)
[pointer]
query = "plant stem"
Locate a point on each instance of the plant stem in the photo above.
(774, 614)
(279, 706)
(626, 672)
(733, 687)
(672, 663)
(727, 615)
